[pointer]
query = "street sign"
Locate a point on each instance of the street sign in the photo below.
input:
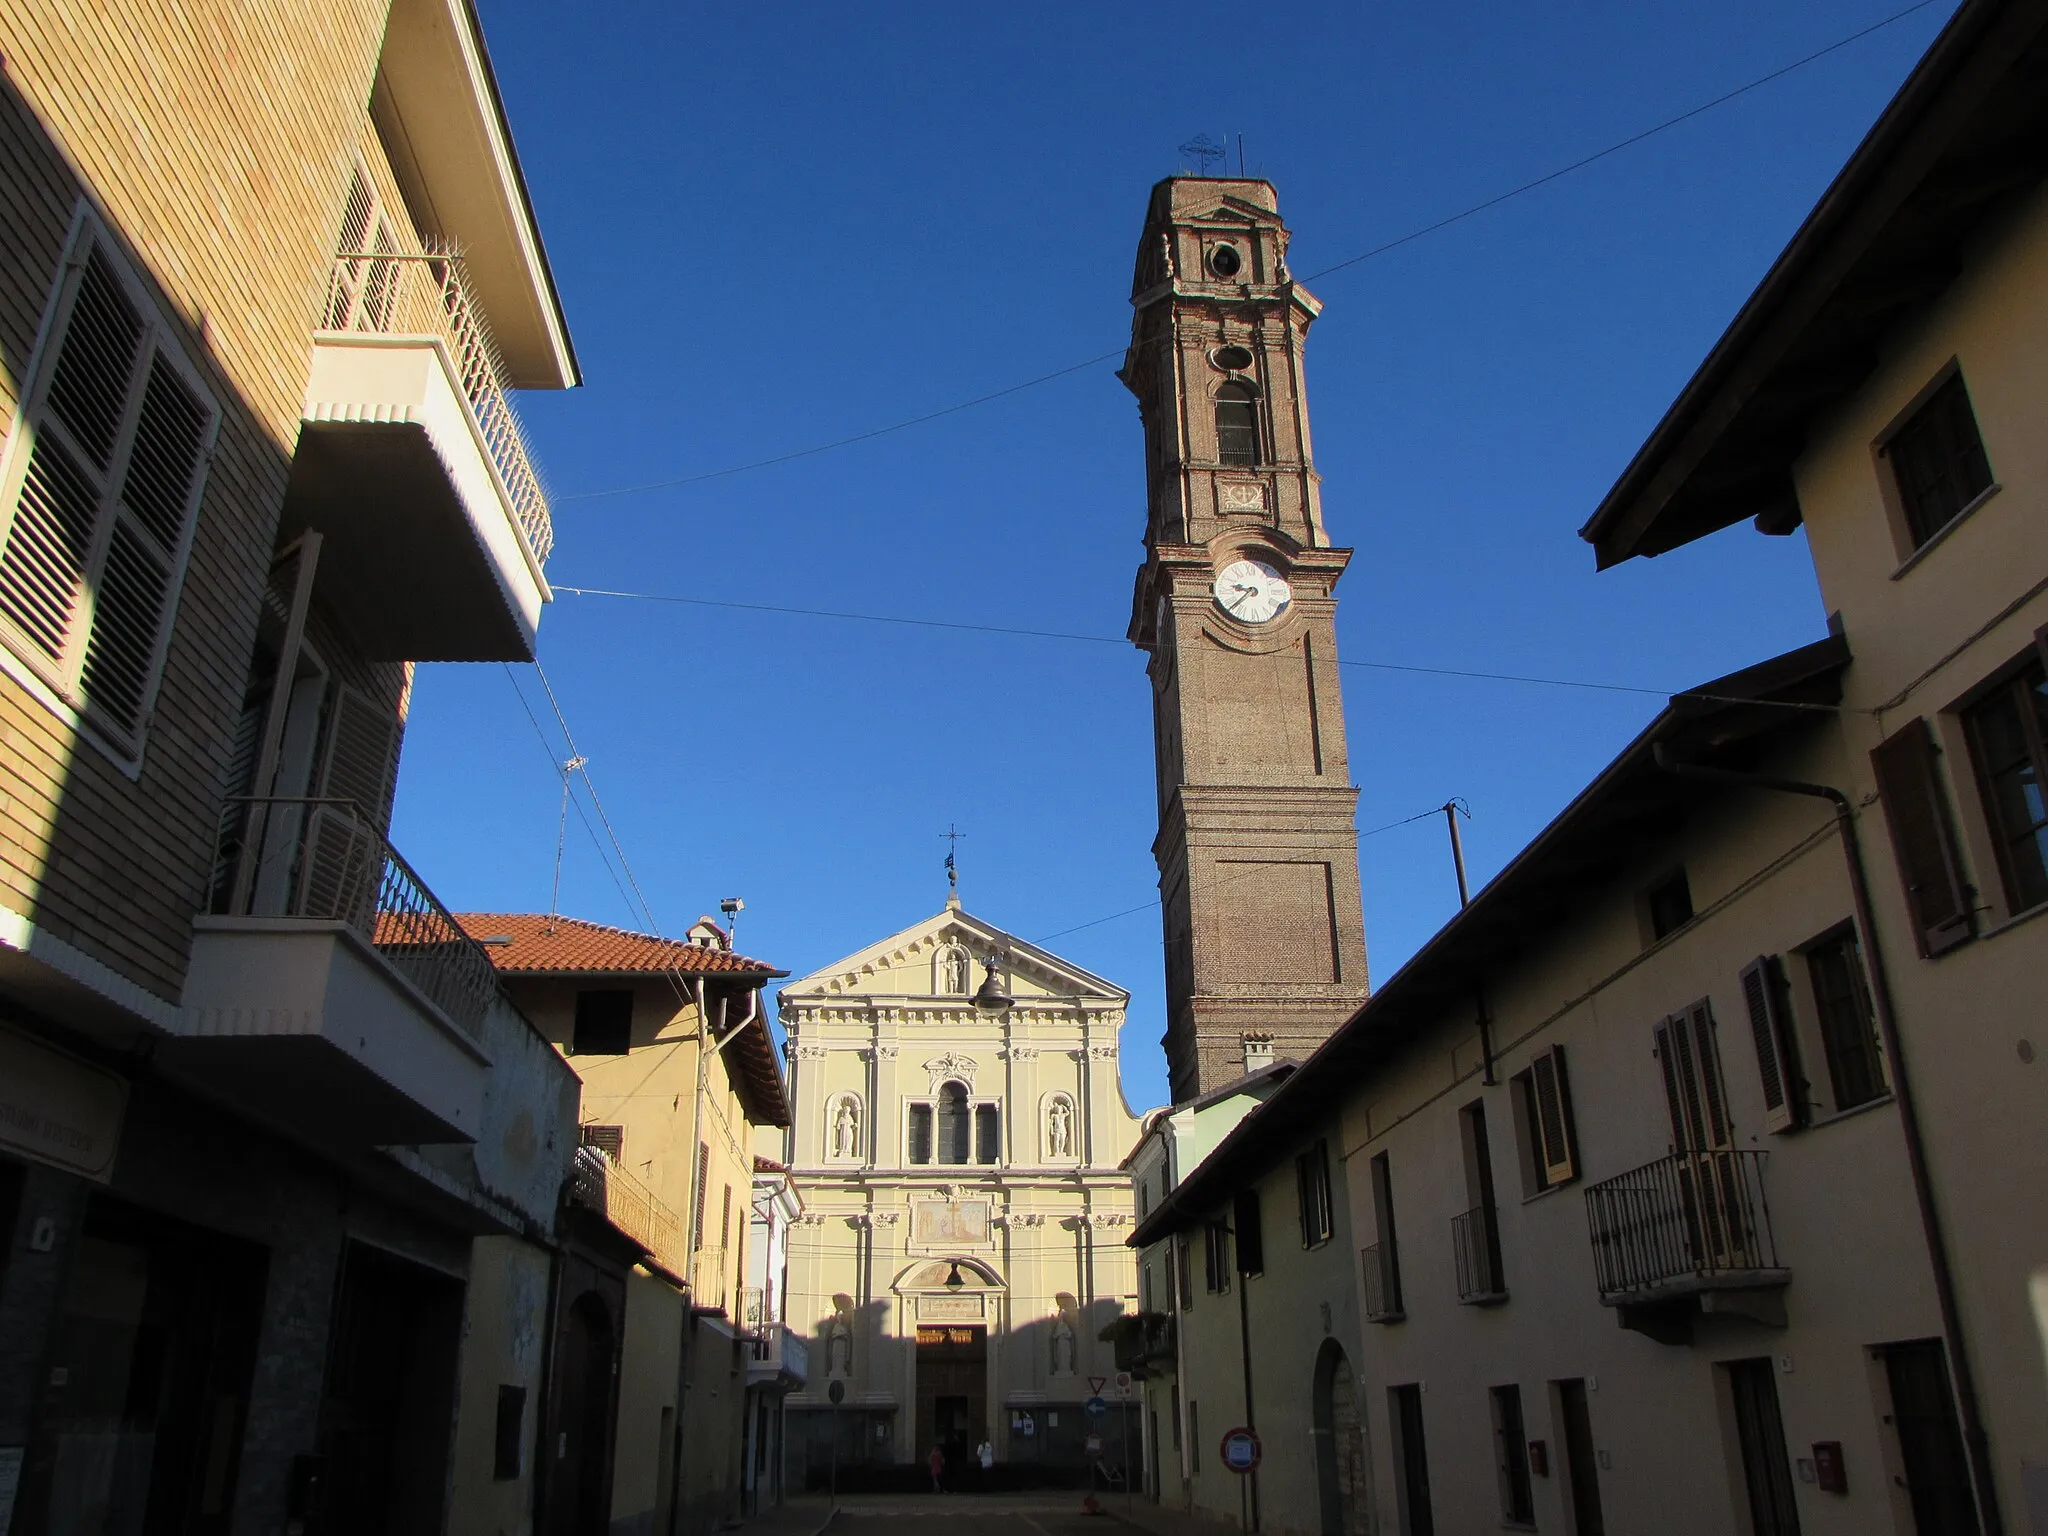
(1095, 1407)
(837, 1392)
(1123, 1383)
(1241, 1450)
(1091, 1447)
(1095, 1384)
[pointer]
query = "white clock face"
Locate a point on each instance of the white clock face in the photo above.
(1251, 591)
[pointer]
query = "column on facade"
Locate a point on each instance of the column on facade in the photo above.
(807, 1099)
(1099, 1082)
(885, 1101)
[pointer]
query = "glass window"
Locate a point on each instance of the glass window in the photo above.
(1938, 461)
(920, 1133)
(988, 1134)
(2009, 740)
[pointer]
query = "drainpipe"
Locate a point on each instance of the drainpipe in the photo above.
(1976, 1440)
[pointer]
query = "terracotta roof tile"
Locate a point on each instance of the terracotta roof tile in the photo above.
(540, 945)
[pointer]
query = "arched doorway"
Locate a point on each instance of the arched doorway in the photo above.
(954, 1305)
(1340, 1445)
(583, 1460)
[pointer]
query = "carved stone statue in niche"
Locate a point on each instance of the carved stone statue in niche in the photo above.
(846, 1128)
(1059, 1128)
(839, 1338)
(953, 972)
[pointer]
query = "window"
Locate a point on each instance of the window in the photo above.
(1777, 1055)
(508, 1440)
(1251, 1236)
(604, 1024)
(1237, 424)
(920, 1133)
(1216, 1256)
(725, 1222)
(1693, 1089)
(1475, 1235)
(608, 1139)
(1938, 461)
(2008, 731)
(1381, 1262)
(1752, 1388)
(1848, 1026)
(952, 1123)
(1312, 1187)
(988, 1133)
(1511, 1457)
(1182, 1266)
(1929, 1438)
(1145, 1285)
(100, 495)
(1144, 1198)
(1411, 1461)
(1543, 1123)
(1923, 841)
(1669, 905)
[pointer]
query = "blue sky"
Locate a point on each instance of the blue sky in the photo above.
(778, 226)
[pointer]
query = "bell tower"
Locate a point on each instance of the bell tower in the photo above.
(1236, 609)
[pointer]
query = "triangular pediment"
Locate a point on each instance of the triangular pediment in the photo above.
(905, 965)
(1235, 210)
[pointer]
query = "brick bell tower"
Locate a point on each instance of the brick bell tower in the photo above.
(1236, 608)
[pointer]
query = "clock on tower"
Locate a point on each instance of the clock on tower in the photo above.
(1236, 608)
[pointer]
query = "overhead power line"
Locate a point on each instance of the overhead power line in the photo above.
(1419, 233)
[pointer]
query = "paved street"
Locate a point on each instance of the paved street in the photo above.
(995, 1515)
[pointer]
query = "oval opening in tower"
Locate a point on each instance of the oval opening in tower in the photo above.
(1232, 359)
(1224, 261)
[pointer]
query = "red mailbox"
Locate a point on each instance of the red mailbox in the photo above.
(1828, 1468)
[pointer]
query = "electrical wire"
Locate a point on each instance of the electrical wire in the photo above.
(1350, 261)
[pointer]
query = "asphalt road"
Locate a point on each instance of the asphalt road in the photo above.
(948, 1516)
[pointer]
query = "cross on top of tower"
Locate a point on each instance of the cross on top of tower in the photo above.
(952, 835)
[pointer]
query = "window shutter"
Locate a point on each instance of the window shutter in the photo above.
(608, 1139)
(697, 1208)
(1557, 1138)
(362, 740)
(1916, 813)
(1777, 1060)
(1692, 1080)
(116, 447)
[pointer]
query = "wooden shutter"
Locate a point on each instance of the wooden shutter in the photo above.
(1692, 1081)
(1923, 843)
(1777, 1058)
(697, 1207)
(116, 444)
(608, 1139)
(362, 741)
(1557, 1142)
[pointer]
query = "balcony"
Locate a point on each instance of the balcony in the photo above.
(1381, 1271)
(776, 1355)
(1683, 1236)
(1144, 1342)
(329, 989)
(598, 1184)
(1475, 1247)
(412, 466)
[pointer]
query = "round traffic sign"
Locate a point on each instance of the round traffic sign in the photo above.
(1091, 1446)
(1241, 1450)
(1095, 1407)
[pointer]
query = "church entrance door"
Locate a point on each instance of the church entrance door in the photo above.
(952, 1393)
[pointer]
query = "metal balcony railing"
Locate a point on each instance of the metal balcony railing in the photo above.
(1475, 1245)
(323, 860)
(598, 1184)
(1693, 1216)
(427, 293)
(1382, 1276)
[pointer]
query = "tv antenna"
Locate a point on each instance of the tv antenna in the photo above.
(1202, 149)
(569, 766)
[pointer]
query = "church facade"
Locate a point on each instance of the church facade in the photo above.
(957, 1128)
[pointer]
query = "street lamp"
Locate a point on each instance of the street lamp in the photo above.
(953, 1280)
(991, 996)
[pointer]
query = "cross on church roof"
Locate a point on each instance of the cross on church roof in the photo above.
(952, 835)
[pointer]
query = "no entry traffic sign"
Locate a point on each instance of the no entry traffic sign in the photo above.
(1241, 1450)
(1091, 1447)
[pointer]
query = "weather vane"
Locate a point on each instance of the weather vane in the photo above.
(952, 835)
(1202, 149)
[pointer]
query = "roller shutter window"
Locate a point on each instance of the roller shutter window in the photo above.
(1770, 1030)
(102, 487)
(1923, 840)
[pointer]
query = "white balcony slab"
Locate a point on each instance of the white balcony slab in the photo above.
(303, 1023)
(423, 550)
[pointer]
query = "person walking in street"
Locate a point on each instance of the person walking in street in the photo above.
(985, 1459)
(937, 1462)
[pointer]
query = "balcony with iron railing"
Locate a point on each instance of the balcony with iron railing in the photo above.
(776, 1354)
(1685, 1235)
(1475, 1249)
(413, 466)
(599, 1184)
(329, 986)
